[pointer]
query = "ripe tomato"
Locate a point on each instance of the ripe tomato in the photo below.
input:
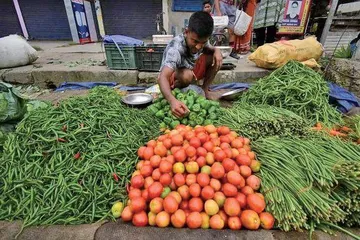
(196, 204)
(243, 159)
(140, 219)
(177, 140)
(217, 170)
(137, 181)
(209, 146)
(165, 179)
(137, 204)
(255, 202)
(165, 166)
(228, 164)
(180, 155)
(203, 179)
(190, 151)
(194, 220)
(201, 151)
(232, 207)
(170, 204)
(207, 193)
(148, 153)
(223, 130)
(195, 190)
(195, 142)
(229, 190)
(155, 190)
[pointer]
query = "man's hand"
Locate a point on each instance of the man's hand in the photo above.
(178, 108)
(217, 59)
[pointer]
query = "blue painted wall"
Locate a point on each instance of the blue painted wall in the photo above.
(46, 19)
(9, 23)
(134, 18)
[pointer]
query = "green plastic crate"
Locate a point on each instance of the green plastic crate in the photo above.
(116, 61)
(148, 58)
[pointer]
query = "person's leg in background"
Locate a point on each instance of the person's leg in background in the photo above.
(260, 36)
(230, 11)
(270, 34)
(243, 42)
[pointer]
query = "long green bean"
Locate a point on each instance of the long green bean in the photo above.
(42, 182)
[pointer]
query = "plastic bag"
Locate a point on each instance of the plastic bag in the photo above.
(275, 55)
(12, 103)
(242, 22)
(311, 63)
(15, 51)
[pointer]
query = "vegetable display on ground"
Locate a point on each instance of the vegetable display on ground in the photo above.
(297, 88)
(199, 178)
(202, 111)
(68, 164)
(255, 121)
(311, 182)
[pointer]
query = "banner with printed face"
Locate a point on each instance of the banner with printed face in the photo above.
(295, 17)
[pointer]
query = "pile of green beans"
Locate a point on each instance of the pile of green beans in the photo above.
(297, 88)
(68, 164)
(306, 182)
(256, 121)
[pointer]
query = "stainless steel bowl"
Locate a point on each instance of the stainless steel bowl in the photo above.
(225, 50)
(233, 95)
(138, 99)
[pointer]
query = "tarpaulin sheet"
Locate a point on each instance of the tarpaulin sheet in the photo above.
(122, 40)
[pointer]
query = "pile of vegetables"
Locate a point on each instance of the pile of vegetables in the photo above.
(202, 111)
(68, 164)
(199, 178)
(311, 182)
(255, 121)
(297, 88)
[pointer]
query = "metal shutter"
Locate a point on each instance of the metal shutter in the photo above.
(46, 19)
(187, 5)
(131, 18)
(9, 23)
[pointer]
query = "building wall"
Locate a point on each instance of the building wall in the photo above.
(131, 18)
(9, 23)
(176, 20)
(46, 20)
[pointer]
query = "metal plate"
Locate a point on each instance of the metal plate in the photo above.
(137, 99)
(232, 95)
(225, 50)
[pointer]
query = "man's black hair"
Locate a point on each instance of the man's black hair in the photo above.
(206, 2)
(296, 3)
(201, 23)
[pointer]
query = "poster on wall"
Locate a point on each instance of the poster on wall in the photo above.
(80, 19)
(295, 17)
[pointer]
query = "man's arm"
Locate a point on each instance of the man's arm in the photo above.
(215, 67)
(217, 56)
(217, 8)
(178, 108)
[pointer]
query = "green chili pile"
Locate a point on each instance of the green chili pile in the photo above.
(255, 121)
(297, 88)
(310, 183)
(68, 164)
(202, 111)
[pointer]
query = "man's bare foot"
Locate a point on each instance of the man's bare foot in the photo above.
(212, 95)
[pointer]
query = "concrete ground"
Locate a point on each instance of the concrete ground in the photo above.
(61, 61)
(119, 230)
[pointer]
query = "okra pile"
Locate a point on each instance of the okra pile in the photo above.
(68, 164)
(202, 111)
